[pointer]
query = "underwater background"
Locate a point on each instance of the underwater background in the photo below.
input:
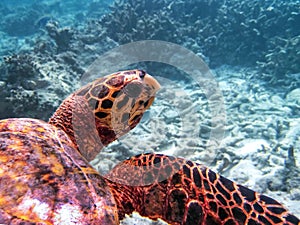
(252, 48)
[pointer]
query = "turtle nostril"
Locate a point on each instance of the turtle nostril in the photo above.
(142, 74)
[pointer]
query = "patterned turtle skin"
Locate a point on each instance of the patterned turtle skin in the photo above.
(182, 192)
(46, 178)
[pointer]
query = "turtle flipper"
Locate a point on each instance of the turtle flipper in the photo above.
(182, 192)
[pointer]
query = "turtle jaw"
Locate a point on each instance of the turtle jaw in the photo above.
(140, 95)
(137, 115)
(150, 81)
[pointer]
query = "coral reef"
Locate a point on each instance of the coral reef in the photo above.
(228, 32)
(282, 58)
(255, 33)
(50, 67)
(21, 65)
(48, 45)
(61, 36)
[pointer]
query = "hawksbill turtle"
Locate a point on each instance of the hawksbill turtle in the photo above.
(46, 178)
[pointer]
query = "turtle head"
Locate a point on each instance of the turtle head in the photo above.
(122, 99)
(105, 109)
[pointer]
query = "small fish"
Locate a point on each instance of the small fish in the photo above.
(42, 21)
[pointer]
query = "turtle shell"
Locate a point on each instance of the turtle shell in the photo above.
(45, 180)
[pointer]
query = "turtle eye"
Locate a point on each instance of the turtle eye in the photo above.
(142, 74)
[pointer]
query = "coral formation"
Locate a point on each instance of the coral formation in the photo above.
(21, 65)
(282, 58)
(49, 66)
(228, 32)
(61, 36)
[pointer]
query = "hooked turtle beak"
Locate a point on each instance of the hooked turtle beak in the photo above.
(152, 82)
